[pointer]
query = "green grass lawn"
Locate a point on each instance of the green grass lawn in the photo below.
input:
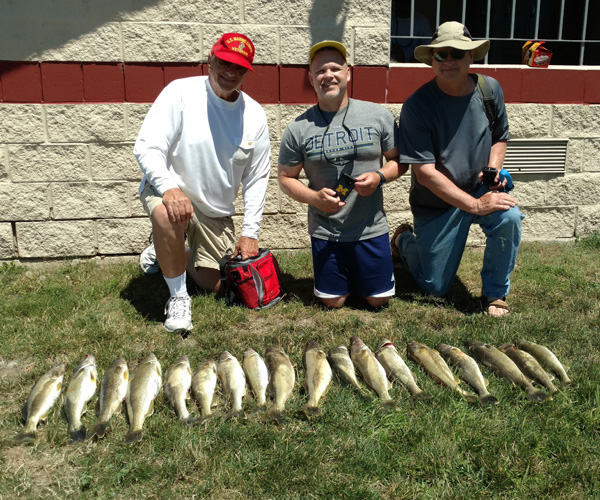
(442, 448)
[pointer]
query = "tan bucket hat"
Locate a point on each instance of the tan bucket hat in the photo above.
(455, 35)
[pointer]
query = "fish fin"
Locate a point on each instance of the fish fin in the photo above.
(24, 412)
(78, 435)
(456, 379)
(488, 400)
(150, 409)
(133, 437)
(189, 421)
(98, 430)
(311, 412)
(63, 413)
(486, 382)
(84, 409)
(422, 396)
(97, 407)
(537, 396)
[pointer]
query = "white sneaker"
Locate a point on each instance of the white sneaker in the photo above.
(179, 314)
(148, 260)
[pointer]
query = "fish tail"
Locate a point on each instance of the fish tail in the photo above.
(470, 398)
(189, 421)
(311, 411)
(389, 404)
(25, 436)
(488, 400)
(98, 429)
(236, 414)
(422, 396)
(133, 437)
(275, 416)
(77, 434)
(535, 395)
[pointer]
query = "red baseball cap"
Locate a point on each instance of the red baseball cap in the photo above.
(235, 48)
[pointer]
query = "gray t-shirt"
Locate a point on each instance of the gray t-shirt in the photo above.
(452, 132)
(304, 141)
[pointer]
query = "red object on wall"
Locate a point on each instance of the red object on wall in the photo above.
(176, 71)
(143, 82)
(369, 83)
(263, 84)
(21, 81)
(103, 82)
(294, 87)
(403, 81)
(62, 82)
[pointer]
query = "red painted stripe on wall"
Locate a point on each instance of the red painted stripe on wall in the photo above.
(72, 82)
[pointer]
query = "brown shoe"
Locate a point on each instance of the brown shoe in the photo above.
(399, 230)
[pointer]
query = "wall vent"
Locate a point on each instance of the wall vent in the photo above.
(539, 156)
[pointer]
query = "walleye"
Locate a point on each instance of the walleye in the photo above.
(178, 380)
(546, 358)
(344, 370)
(144, 386)
(529, 366)
(257, 374)
(204, 383)
(505, 367)
(317, 379)
(437, 369)
(395, 367)
(371, 371)
(113, 390)
(281, 383)
(233, 381)
(42, 397)
(469, 371)
(81, 388)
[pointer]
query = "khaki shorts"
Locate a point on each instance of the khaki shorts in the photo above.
(208, 238)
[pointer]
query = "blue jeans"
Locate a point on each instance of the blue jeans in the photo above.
(434, 252)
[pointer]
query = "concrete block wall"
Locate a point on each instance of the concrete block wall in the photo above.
(73, 96)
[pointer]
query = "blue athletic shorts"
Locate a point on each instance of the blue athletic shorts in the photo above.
(363, 267)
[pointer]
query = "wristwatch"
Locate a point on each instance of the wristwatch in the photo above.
(382, 177)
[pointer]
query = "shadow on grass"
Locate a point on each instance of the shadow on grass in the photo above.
(459, 298)
(148, 295)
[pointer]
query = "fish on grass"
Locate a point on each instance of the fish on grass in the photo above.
(529, 366)
(257, 374)
(317, 378)
(435, 366)
(546, 358)
(233, 383)
(178, 381)
(371, 371)
(469, 371)
(281, 384)
(204, 383)
(40, 401)
(81, 389)
(499, 362)
(396, 368)
(144, 386)
(113, 389)
(343, 368)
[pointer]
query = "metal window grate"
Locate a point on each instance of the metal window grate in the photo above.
(540, 156)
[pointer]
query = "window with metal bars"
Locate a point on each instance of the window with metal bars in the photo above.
(566, 27)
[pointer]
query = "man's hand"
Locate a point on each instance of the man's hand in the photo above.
(178, 205)
(366, 184)
(493, 201)
(246, 247)
(326, 200)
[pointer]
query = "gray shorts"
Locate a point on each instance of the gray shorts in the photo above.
(208, 238)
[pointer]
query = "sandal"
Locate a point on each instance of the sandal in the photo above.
(399, 230)
(499, 304)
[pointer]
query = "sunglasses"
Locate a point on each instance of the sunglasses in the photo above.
(442, 55)
(224, 65)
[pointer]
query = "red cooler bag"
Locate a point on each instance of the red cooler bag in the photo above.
(254, 282)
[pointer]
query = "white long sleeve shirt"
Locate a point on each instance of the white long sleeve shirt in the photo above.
(195, 141)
